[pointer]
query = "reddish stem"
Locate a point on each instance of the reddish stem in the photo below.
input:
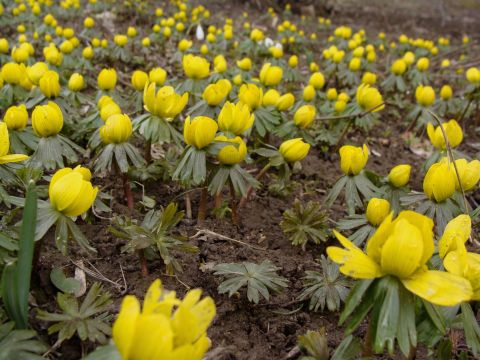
(202, 207)
(188, 205)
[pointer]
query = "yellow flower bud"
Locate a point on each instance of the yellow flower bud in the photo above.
(409, 57)
(271, 97)
(200, 131)
(66, 47)
(4, 46)
(369, 98)
(157, 76)
(245, 64)
(120, 40)
(237, 80)
(139, 79)
(70, 193)
(439, 182)
(220, 64)
(11, 73)
(293, 61)
(109, 109)
(317, 80)
(251, 95)
(164, 103)
(340, 106)
(131, 32)
(446, 92)
(309, 93)
(285, 102)
(76, 82)
(469, 173)
(257, 35)
(377, 211)
(473, 75)
(87, 53)
(304, 116)
(425, 95)
(47, 120)
(107, 79)
(6, 158)
(16, 117)
(332, 94)
(214, 94)
(423, 63)
(452, 130)
(271, 75)
(117, 129)
(50, 84)
(20, 55)
(196, 67)
(89, 23)
(353, 159)
(235, 118)
(184, 45)
(369, 78)
(354, 64)
(294, 150)
(399, 175)
(36, 71)
(146, 42)
(232, 154)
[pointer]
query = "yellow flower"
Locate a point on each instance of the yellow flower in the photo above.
(5, 146)
(139, 79)
(369, 98)
(16, 117)
(304, 116)
(369, 78)
(271, 75)
(36, 71)
(469, 173)
(332, 94)
(107, 79)
(109, 109)
(214, 94)
(409, 57)
(47, 120)
(131, 32)
(157, 76)
(200, 131)
(120, 40)
(439, 182)
(377, 211)
(354, 64)
(166, 328)
(399, 67)
(423, 63)
(456, 259)
(400, 175)
(452, 130)
(473, 75)
(294, 150)
(196, 67)
(165, 103)
(88, 22)
(20, 55)
(309, 93)
(353, 159)
(340, 106)
(402, 248)
(251, 95)
(425, 95)
(87, 52)
(317, 80)
(220, 64)
(50, 84)
(76, 82)
(285, 102)
(232, 154)
(293, 61)
(446, 92)
(71, 192)
(184, 45)
(235, 118)
(245, 64)
(270, 98)
(11, 73)
(117, 129)
(257, 35)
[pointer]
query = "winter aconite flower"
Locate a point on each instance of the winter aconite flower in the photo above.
(47, 120)
(16, 117)
(76, 82)
(402, 248)
(294, 150)
(271, 75)
(304, 116)
(235, 118)
(6, 158)
(369, 98)
(400, 175)
(164, 103)
(353, 159)
(166, 328)
(439, 182)
(50, 84)
(377, 211)
(199, 131)
(452, 130)
(469, 173)
(425, 95)
(107, 79)
(251, 95)
(398, 67)
(117, 129)
(71, 192)
(139, 79)
(232, 154)
(317, 80)
(214, 94)
(196, 67)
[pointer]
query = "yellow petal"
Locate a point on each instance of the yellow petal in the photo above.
(153, 338)
(4, 139)
(375, 243)
(439, 287)
(124, 327)
(458, 229)
(65, 190)
(12, 158)
(425, 225)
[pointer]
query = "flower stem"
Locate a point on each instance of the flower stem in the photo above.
(202, 207)
(218, 200)
(148, 151)
(143, 262)
(188, 205)
(233, 203)
(127, 190)
(367, 344)
(262, 172)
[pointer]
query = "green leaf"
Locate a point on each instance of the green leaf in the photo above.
(471, 328)
(348, 349)
(355, 297)
(435, 315)
(19, 344)
(64, 284)
(335, 191)
(107, 352)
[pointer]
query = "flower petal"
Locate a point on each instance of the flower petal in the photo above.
(124, 327)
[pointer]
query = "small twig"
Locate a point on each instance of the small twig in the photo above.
(97, 274)
(226, 238)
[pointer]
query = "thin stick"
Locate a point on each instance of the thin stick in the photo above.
(226, 238)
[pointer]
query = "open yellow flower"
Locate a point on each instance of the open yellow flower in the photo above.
(271, 75)
(196, 67)
(294, 150)
(402, 248)
(235, 118)
(452, 130)
(71, 192)
(166, 328)
(6, 158)
(165, 102)
(439, 182)
(200, 131)
(353, 159)
(369, 98)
